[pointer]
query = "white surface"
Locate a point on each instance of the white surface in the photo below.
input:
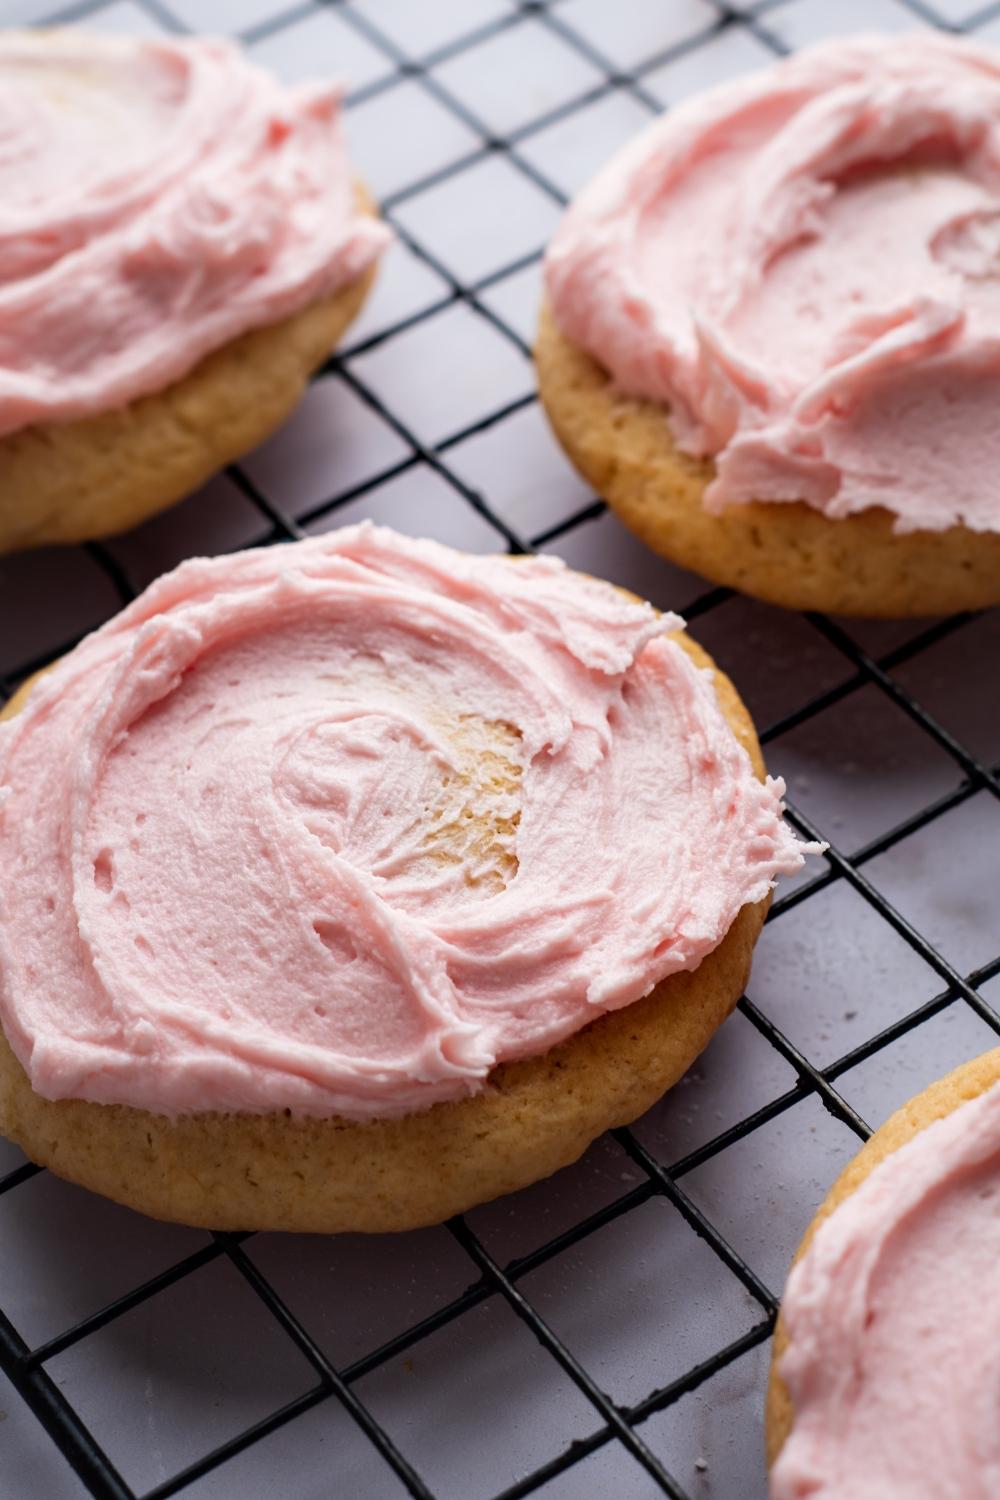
(225, 16)
(798, 22)
(723, 56)
(548, 72)
(575, 146)
(479, 1404)
(321, 45)
(418, 30)
(511, 218)
(629, 32)
(402, 135)
(123, 18)
(454, 368)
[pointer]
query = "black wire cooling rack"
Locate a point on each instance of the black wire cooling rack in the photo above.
(653, 1174)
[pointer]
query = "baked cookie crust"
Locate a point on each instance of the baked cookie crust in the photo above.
(941, 1098)
(786, 553)
(276, 1171)
(77, 481)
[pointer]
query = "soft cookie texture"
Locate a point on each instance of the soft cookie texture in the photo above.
(489, 782)
(956, 1463)
(77, 481)
(273, 1171)
(181, 245)
(787, 290)
(787, 553)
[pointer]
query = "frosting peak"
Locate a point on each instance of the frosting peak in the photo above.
(157, 199)
(803, 265)
(340, 825)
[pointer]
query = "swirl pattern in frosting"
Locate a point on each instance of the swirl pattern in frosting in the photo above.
(338, 826)
(893, 1320)
(804, 266)
(157, 200)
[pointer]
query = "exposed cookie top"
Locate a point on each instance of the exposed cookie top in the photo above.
(340, 825)
(893, 1324)
(157, 199)
(803, 265)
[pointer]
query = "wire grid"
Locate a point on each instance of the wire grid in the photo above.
(704, 24)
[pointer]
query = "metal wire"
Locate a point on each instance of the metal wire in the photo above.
(27, 1368)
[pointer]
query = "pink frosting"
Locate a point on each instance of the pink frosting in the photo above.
(893, 1317)
(805, 266)
(215, 886)
(157, 199)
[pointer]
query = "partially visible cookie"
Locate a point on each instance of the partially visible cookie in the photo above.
(184, 243)
(769, 329)
(786, 553)
(77, 481)
(909, 1187)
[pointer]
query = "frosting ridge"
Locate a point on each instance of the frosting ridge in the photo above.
(893, 1318)
(338, 826)
(804, 265)
(157, 200)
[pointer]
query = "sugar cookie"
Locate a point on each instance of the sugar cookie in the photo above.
(350, 883)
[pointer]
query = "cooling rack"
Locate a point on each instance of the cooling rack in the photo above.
(605, 1332)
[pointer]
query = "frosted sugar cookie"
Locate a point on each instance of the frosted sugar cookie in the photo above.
(350, 883)
(887, 1355)
(772, 331)
(181, 244)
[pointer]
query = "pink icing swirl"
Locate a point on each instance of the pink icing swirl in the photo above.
(157, 199)
(805, 266)
(893, 1318)
(214, 820)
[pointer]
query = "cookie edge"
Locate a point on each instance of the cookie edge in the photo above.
(941, 1098)
(273, 1171)
(100, 475)
(786, 553)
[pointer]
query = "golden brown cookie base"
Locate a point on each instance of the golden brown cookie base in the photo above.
(76, 481)
(786, 553)
(967, 1082)
(242, 1171)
